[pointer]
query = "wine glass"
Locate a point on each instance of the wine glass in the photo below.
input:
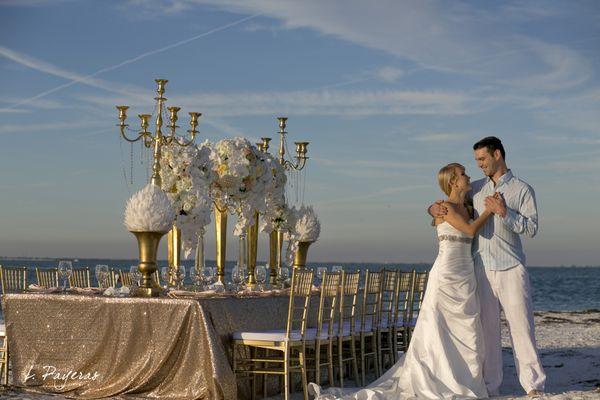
(208, 276)
(102, 275)
(196, 277)
(136, 275)
(320, 272)
(337, 268)
(237, 275)
(261, 276)
(65, 270)
(283, 274)
(165, 275)
(180, 275)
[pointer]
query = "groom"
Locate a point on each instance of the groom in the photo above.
(502, 280)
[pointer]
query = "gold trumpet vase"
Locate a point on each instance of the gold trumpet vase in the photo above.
(173, 252)
(252, 251)
(301, 253)
(273, 257)
(221, 241)
(148, 247)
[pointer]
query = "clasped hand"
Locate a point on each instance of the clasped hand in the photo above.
(494, 204)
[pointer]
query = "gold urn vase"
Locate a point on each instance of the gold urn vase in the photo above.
(301, 253)
(148, 247)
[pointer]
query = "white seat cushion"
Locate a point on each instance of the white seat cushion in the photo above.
(2, 329)
(266, 336)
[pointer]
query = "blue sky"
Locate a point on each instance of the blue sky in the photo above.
(386, 92)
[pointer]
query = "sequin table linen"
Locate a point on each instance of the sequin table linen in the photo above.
(92, 347)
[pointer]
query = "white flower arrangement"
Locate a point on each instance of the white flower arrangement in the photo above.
(186, 174)
(242, 175)
(307, 228)
(149, 210)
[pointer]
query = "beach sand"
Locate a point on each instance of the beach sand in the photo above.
(569, 344)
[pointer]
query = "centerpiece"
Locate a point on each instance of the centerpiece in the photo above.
(306, 231)
(148, 215)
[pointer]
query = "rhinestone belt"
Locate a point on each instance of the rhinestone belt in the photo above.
(453, 238)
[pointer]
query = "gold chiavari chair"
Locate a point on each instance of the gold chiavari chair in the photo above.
(126, 279)
(4, 355)
(156, 278)
(415, 302)
(406, 280)
(47, 278)
(368, 321)
(385, 318)
(323, 334)
(346, 332)
(12, 280)
(290, 342)
(80, 278)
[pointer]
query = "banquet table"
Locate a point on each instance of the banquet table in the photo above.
(98, 346)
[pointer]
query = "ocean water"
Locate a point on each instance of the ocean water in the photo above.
(554, 288)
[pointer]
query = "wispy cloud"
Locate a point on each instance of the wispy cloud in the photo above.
(458, 39)
(325, 102)
(89, 79)
(440, 137)
(47, 127)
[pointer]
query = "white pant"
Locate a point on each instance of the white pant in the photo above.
(511, 290)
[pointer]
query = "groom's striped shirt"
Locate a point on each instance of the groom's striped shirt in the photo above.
(498, 246)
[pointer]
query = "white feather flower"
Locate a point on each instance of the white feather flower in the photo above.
(149, 210)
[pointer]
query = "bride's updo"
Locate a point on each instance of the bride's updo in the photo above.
(447, 175)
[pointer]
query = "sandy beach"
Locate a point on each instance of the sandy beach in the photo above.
(569, 344)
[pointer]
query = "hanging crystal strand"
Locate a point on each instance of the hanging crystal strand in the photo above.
(131, 165)
(242, 254)
(304, 173)
(199, 262)
(297, 178)
(123, 165)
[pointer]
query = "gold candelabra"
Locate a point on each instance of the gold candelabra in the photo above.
(301, 148)
(148, 241)
(276, 237)
(159, 139)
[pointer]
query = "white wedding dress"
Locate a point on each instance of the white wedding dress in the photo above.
(444, 359)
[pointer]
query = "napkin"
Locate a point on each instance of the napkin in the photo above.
(112, 291)
(40, 289)
(87, 290)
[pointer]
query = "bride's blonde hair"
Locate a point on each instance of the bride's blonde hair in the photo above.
(447, 175)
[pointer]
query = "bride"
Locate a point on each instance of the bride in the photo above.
(444, 359)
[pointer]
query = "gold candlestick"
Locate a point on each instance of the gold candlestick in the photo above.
(301, 149)
(158, 139)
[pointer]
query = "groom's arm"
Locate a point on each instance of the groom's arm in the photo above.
(523, 219)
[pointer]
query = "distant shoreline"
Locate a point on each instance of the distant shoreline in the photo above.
(264, 261)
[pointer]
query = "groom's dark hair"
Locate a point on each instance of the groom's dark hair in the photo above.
(491, 143)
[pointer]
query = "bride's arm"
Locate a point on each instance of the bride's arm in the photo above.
(458, 221)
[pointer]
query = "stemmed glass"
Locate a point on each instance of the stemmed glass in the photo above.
(180, 276)
(208, 276)
(165, 275)
(102, 275)
(65, 270)
(320, 272)
(261, 276)
(196, 277)
(136, 275)
(337, 268)
(283, 273)
(238, 275)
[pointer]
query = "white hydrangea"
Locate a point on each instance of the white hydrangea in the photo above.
(149, 210)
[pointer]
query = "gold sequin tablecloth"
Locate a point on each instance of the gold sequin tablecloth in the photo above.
(92, 347)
